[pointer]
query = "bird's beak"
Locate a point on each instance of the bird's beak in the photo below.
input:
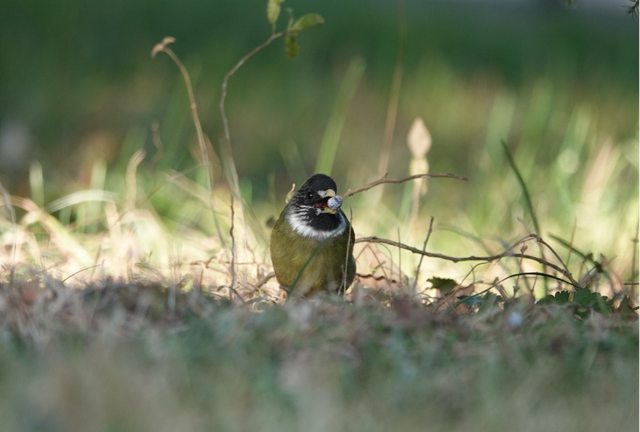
(327, 194)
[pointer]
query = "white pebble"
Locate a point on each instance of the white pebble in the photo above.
(335, 202)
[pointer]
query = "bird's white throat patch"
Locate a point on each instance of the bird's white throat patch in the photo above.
(299, 222)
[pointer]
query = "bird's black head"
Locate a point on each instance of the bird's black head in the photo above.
(309, 211)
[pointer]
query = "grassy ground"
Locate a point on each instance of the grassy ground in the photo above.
(126, 304)
(135, 357)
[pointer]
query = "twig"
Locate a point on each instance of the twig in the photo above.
(264, 280)
(399, 259)
(567, 272)
(233, 245)
(633, 259)
(225, 123)
(495, 284)
(157, 142)
(80, 271)
(526, 281)
(384, 179)
(131, 184)
(348, 255)
(424, 247)
(12, 214)
(380, 263)
(613, 274)
(162, 47)
(232, 172)
(506, 253)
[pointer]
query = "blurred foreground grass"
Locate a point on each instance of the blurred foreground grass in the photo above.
(139, 357)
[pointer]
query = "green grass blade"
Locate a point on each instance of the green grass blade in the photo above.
(329, 145)
(523, 186)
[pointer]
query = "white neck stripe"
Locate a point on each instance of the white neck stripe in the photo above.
(299, 224)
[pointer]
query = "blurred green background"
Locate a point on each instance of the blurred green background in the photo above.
(79, 93)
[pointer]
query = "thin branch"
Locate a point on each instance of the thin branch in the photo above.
(14, 227)
(384, 179)
(157, 142)
(566, 272)
(233, 245)
(507, 253)
(80, 271)
(264, 280)
(227, 135)
(348, 255)
(633, 259)
(424, 248)
(495, 284)
(162, 47)
(232, 172)
(194, 114)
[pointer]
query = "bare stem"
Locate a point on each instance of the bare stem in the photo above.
(12, 214)
(424, 248)
(566, 272)
(507, 253)
(196, 121)
(633, 259)
(233, 173)
(384, 179)
(233, 247)
(348, 255)
(194, 114)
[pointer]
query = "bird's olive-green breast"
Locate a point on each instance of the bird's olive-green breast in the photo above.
(311, 244)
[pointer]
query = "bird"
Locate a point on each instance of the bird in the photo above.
(312, 241)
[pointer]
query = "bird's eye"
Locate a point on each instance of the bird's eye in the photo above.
(310, 195)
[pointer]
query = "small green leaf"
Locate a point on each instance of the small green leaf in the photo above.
(593, 300)
(469, 301)
(560, 298)
(273, 12)
(291, 46)
(306, 22)
(443, 284)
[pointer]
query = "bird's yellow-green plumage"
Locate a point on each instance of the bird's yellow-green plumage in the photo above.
(290, 252)
(318, 254)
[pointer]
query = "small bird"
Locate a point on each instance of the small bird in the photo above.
(312, 241)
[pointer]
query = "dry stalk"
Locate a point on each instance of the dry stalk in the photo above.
(424, 248)
(233, 246)
(162, 47)
(131, 188)
(233, 174)
(7, 204)
(633, 258)
(384, 179)
(507, 253)
(264, 280)
(566, 272)
(157, 142)
(348, 255)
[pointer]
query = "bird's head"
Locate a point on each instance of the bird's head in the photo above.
(314, 209)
